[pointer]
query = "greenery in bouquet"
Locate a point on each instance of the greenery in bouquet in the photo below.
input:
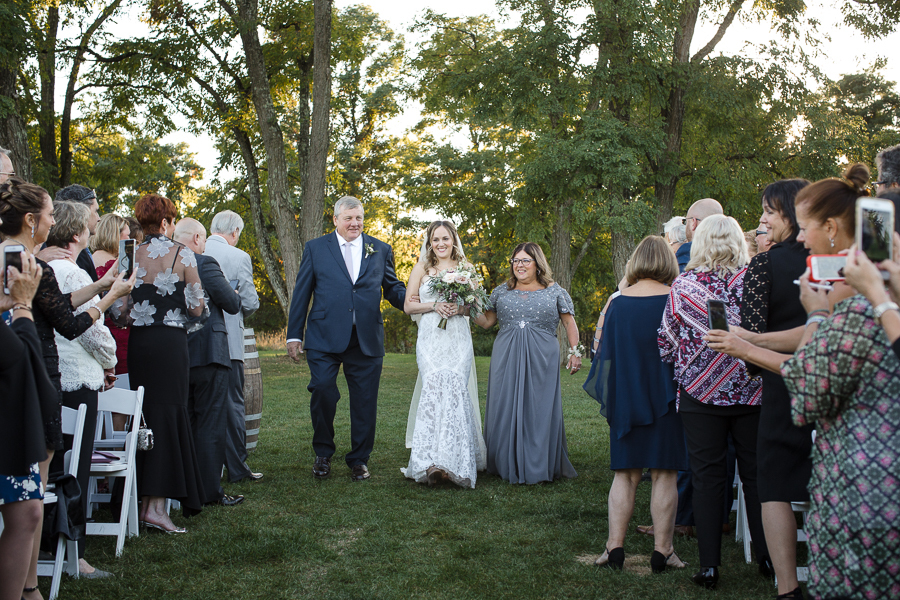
(463, 286)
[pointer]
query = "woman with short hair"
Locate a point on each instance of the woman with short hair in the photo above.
(636, 391)
(85, 363)
(523, 421)
(716, 395)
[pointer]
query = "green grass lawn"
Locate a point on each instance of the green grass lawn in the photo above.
(298, 537)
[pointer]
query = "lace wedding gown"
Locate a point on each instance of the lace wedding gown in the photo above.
(444, 427)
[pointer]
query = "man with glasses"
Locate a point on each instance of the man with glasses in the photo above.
(6, 166)
(888, 163)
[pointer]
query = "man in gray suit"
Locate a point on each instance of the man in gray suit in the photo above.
(225, 231)
(210, 367)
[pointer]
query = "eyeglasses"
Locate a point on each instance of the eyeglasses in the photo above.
(880, 183)
(758, 232)
(521, 261)
(13, 174)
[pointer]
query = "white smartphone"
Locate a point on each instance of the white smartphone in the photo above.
(875, 228)
(826, 267)
(12, 257)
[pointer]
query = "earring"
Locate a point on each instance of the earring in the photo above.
(831, 240)
(32, 231)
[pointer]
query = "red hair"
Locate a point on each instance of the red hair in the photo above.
(151, 209)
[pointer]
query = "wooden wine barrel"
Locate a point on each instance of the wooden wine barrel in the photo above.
(253, 390)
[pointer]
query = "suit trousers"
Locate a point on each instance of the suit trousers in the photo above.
(236, 436)
(208, 408)
(363, 374)
(707, 428)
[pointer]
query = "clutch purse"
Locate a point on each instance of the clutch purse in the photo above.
(145, 436)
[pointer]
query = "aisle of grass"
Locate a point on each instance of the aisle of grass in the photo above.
(389, 538)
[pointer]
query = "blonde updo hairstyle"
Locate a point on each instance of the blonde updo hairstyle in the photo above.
(431, 259)
(109, 231)
(718, 246)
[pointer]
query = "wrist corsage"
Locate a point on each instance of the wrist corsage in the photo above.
(575, 351)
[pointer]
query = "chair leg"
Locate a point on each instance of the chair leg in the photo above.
(58, 567)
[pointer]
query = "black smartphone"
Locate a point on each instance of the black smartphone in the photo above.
(12, 257)
(126, 257)
(718, 316)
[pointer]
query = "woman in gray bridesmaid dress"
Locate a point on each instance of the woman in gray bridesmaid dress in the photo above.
(523, 423)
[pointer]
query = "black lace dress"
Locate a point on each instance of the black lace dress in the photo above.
(167, 299)
(53, 311)
(772, 303)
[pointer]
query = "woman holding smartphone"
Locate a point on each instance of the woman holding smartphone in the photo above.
(716, 395)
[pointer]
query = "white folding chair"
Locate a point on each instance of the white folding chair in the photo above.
(66, 550)
(742, 527)
(130, 403)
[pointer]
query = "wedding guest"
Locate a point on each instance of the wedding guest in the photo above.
(137, 232)
(752, 247)
(225, 230)
(636, 391)
(444, 430)
(6, 166)
(85, 363)
(716, 396)
(27, 214)
(105, 252)
(82, 195)
(523, 422)
(845, 381)
(888, 163)
(866, 278)
(675, 232)
(210, 367)
(167, 295)
(25, 390)
(771, 303)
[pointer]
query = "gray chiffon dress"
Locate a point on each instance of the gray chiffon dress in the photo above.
(523, 422)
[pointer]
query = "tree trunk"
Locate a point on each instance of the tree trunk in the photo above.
(273, 140)
(13, 135)
(46, 47)
(270, 261)
(302, 135)
(314, 201)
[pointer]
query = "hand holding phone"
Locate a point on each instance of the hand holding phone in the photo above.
(875, 229)
(12, 257)
(718, 315)
(826, 267)
(126, 257)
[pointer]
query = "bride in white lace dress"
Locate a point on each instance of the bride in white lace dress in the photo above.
(444, 429)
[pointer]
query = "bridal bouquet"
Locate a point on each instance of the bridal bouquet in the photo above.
(461, 285)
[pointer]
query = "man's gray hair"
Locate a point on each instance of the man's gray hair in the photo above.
(888, 163)
(226, 222)
(346, 203)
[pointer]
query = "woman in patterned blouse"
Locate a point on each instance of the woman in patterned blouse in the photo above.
(716, 395)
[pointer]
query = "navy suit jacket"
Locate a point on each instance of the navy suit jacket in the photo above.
(683, 255)
(324, 278)
(209, 345)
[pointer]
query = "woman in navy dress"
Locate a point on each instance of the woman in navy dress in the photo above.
(636, 391)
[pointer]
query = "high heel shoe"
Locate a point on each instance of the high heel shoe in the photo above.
(795, 593)
(150, 525)
(767, 569)
(707, 577)
(615, 559)
(659, 562)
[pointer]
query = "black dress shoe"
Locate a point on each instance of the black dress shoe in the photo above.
(322, 467)
(254, 476)
(360, 472)
(707, 577)
(227, 500)
(766, 569)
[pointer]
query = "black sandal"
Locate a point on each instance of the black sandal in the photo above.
(615, 559)
(28, 590)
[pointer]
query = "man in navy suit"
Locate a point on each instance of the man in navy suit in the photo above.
(344, 273)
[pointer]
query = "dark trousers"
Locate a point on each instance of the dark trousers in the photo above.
(363, 374)
(208, 406)
(73, 400)
(685, 513)
(707, 428)
(236, 437)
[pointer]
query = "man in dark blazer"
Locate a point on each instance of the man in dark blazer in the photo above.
(345, 274)
(210, 367)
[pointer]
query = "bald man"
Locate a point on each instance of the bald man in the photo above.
(6, 166)
(210, 367)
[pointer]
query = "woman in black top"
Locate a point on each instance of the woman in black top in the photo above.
(771, 304)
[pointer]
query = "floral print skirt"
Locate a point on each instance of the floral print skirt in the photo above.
(19, 489)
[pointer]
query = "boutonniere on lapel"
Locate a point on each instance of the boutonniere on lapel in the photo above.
(370, 250)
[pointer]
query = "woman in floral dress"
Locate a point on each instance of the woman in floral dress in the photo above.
(166, 296)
